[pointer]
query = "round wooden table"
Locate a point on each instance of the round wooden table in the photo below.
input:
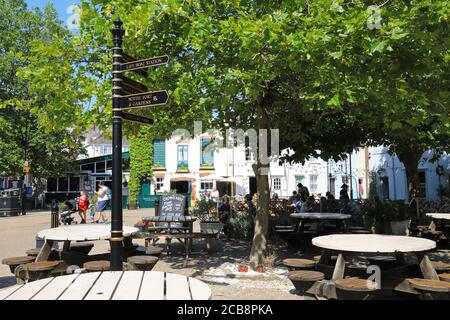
(82, 232)
(375, 243)
(111, 285)
(439, 216)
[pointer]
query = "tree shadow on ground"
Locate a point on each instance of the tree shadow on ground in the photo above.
(231, 251)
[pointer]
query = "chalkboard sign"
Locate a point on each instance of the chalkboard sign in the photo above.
(172, 205)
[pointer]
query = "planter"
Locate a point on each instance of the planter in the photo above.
(211, 227)
(132, 206)
(400, 227)
(243, 268)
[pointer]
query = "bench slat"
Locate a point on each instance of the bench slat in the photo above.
(177, 287)
(199, 290)
(152, 287)
(78, 289)
(128, 288)
(55, 288)
(105, 285)
(28, 291)
(8, 291)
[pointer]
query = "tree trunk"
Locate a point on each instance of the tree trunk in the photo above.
(259, 244)
(410, 159)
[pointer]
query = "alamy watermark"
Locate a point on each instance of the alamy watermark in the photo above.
(256, 142)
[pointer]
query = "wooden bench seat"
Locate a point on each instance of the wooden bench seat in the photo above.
(153, 251)
(143, 263)
(444, 277)
(440, 266)
(299, 264)
(430, 285)
(13, 262)
(33, 252)
(40, 270)
(355, 289)
(98, 265)
(303, 280)
(431, 289)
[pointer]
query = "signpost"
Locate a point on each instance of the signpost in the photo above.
(146, 99)
(137, 98)
(136, 118)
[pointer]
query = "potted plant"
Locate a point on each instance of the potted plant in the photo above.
(209, 220)
(400, 218)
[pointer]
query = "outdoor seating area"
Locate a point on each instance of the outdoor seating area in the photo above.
(319, 255)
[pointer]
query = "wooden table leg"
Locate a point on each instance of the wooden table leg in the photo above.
(339, 268)
(427, 268)
(66, 246)
(45, 251)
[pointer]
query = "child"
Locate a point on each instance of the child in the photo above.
(83, 205)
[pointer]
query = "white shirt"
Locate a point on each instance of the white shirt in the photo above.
(105, 195)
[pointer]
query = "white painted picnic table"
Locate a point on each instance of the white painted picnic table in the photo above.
(375, 243)
(82, 232)
(439, 216)
(111, 285)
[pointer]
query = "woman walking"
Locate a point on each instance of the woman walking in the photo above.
(103, 201)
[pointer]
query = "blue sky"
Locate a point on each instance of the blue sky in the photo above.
(60, 5)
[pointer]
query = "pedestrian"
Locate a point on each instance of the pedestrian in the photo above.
(83, 205)
(103, 201)
(215, 197)
(343, 194)
(303, 191)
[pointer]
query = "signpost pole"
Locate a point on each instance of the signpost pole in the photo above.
(116, 214)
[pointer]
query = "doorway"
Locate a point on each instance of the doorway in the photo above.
(181, 186)
(252, 185)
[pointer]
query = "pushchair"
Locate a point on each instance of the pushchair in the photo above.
(70, 207)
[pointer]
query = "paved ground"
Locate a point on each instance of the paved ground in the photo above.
(17, 234)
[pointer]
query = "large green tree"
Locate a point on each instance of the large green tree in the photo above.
(29, 130)
(239, 64)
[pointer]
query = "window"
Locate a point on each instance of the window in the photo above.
(74, 184)
(52, 184)
(276, 183)
(313, 183)
(125, 148)
(333, 186)
(299, 179)
(159, 153)
(206, 186)
(100, 166)
(206, 153)
(385, 188)
(182, 156)
(106, 149)
(422, 184)
(88, 167)
(109, 165)
(159, 183)
(63, 184)
(250, 152)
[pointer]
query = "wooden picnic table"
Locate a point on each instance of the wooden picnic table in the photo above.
(378, 244)
(338, 218)
(111, 285)
(82, 232)
(171, 226)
